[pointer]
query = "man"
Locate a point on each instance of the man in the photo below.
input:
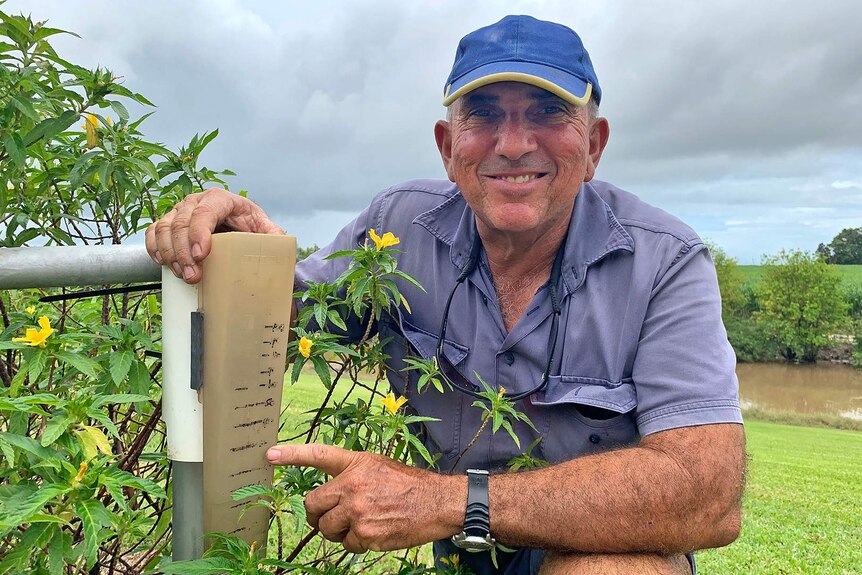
(599, 314)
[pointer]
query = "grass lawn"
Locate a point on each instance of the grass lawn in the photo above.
(803, 502)
(849, 274)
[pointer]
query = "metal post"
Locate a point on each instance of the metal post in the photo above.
(68, 266)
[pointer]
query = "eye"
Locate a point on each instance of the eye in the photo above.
(552, 109)
(479, 113)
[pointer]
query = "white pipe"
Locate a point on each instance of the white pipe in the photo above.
(64, 266)
(181, 409)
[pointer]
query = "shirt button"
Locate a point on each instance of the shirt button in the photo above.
(595, 438)
(509, 358)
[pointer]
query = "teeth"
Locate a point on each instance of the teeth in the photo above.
(519, 179)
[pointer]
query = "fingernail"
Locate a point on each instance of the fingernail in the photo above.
(188, 272)
(196, 250)
(158, 257)
(178, 271)
(272, 454)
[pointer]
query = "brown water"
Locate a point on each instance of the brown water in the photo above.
(820, 388)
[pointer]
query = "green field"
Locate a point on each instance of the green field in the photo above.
(849, 274)
(802, 505)
(803, 502)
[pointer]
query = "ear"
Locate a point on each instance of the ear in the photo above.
(600, 131)
(443, 136)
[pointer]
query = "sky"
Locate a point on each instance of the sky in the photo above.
(742, 118)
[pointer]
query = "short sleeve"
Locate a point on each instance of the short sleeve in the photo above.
(685, 369)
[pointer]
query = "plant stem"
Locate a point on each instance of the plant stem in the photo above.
(473, 441)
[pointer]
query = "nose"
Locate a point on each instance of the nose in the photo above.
(514, 138)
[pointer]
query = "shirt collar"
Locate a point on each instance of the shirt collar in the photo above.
(594, 232)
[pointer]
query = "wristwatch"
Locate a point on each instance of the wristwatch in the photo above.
(476, 535)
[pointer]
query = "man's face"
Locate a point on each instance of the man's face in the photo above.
(519, 155)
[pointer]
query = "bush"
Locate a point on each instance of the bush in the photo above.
(729, 281)
(801, 303)
(750, 340)
(852, 295)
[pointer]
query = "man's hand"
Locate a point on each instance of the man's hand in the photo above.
(373, 502)
(181, 239)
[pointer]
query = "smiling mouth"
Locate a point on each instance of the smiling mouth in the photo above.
(519, 179)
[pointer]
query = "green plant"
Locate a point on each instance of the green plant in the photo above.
(733, 299)
(750, 340)
(801, 303)
(85, 481)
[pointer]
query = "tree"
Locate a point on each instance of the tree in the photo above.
(846, 247)
(729, 281)
(801, 303)
(823, 252)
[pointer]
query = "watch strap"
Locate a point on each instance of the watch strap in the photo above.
(477, 520)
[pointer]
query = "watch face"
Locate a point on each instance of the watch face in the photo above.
(473, 543)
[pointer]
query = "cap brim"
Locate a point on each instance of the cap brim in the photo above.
(568, 87)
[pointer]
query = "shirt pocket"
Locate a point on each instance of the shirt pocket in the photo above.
(441, 437)
(583, 415)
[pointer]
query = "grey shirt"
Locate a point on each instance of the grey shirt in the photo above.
(641, 347)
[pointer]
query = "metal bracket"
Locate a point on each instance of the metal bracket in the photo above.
(197, 351)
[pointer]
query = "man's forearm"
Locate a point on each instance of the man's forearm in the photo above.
(679, 490)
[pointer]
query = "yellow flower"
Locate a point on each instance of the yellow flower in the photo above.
(502, 392)
(82, 469)
(305, 346)
(387, 240)
(36, 337)
(30, 309)
(90, 124)
(452, 560)
(392, 404)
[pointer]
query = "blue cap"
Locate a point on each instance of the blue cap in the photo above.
(523, 49)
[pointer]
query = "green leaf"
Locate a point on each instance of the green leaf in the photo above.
(19, 511)
(119, 363)
(207, 139)
(250, 491)
(24, 106)
(8, 453)
(127, 479)
(321, 368)
(55, 428)
(93, 517)
(296, 370)
(145, 166)
(116, 490)
(50, 127)
(45, 31)
(15, 149)
(139, 379)
(80, 362)
(120, 109)
(336, 320)
(119, 398)
(508, 427)
(297, 508)
(31, 446)
(55, 552)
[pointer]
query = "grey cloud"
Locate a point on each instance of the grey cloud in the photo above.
(726, 108)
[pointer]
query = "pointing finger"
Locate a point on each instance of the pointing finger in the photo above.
(327, 458)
